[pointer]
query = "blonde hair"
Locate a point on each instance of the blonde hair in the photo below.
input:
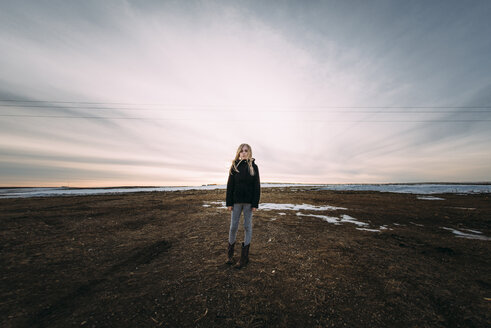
(248, 159)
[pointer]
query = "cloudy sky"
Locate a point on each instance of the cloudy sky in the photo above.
(112, 93)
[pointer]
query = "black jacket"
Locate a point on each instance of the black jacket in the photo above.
(242, 187)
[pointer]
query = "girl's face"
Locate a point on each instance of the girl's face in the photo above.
(244, 152)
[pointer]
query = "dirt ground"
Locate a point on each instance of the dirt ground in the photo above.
(157, 259)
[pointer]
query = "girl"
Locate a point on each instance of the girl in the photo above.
(243, 192)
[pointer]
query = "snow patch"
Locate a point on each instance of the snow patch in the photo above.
(467, 235)
(336, 220)
(473, 231)
(329, 219)
(222, 204)
(366, 229)
(293, 207)
(430, 198)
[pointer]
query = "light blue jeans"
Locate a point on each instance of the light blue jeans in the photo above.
(234, 222)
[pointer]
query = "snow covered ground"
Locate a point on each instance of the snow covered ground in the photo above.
(397, 188)
(422, 188)
(473, 235)
(430, 198)
(64, 191)
(343, 218)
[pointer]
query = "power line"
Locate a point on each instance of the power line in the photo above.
(49, 104)
(225, 120)
(263, 110)
(226, 105)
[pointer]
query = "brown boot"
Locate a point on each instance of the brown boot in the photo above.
(244, 256)
(231, 259)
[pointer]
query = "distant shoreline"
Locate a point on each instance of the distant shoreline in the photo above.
(289, 183)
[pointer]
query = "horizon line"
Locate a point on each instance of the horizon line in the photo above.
(216, 184)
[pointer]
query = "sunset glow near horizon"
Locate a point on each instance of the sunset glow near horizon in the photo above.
(120, 93)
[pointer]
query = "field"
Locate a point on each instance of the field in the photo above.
(157, 259)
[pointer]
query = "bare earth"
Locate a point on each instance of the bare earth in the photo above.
(157, 259)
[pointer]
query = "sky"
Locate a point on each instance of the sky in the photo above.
(162, 93)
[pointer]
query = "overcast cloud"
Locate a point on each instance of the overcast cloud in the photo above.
(163, 93)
